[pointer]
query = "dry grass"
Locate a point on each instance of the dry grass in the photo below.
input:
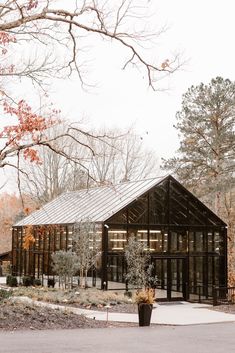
(86, 297)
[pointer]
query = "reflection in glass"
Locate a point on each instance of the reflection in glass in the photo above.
(155, 241)
(178, 241)
(117, 240)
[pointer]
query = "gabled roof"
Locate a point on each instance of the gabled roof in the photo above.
(98, 204)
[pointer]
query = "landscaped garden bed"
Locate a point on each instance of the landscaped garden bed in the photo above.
(16, 315)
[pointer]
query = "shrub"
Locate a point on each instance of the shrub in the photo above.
(37, 282)
(27, 281)
(4, 293)
(65, 265)
(8, 279)
(51, 282)
(11, 281)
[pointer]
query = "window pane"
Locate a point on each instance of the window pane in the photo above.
(116, 240)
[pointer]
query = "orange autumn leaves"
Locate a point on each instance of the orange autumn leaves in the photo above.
(29, 129)
(10, 212)
(28, 239)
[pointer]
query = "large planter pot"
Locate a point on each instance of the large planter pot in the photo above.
(145, 312)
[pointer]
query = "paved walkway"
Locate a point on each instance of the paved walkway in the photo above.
(178, 313)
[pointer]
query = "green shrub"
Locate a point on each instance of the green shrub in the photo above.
(4, 293)
(8, 279)
(27, 281)
(51, 282)
(37, 282)
(11, 281)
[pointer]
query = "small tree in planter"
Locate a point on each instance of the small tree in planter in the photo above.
(139, 274)
(86, 244)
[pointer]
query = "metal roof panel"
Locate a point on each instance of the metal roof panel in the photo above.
(97, 204)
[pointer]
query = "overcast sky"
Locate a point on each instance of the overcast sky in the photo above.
(202, 30)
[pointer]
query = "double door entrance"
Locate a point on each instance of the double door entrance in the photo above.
(172, 278)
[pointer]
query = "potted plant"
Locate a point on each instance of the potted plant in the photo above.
(145, 299)
(139, 274)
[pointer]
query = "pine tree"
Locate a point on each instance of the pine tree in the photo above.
(205, 161)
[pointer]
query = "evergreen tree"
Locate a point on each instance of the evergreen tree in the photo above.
(205, 161)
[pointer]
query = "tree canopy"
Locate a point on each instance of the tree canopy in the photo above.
(205, 160)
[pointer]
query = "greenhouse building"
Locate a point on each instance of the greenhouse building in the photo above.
(186, 240)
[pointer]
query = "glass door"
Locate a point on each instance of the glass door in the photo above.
(177, 278)
(171, 273)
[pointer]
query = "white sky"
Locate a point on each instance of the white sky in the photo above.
(203, 30)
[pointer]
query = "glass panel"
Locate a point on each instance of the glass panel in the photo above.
(197, 213)
(142, 236)
(120, 217)
(57, 238)
(160, 267)
(199, 241)
(117, 240)
(116, 272)
(192, 279)
(217, 270)
(173, 274)
(174, 242)
(36, 243)
(199, 270)
(195, 273)
(165, 242)
(63, 238)
(158, 204)
(178, 204)
(176, 278)
(70, 237)
(46, 241)
(210, 275)
(155, 241)
(218, 243)
(191, 242)
(138, 212)
(41, 240)
(178, 242)
(210, 241)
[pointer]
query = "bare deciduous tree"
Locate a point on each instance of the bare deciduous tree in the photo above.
(56, 173)
(45, 39)
(87, 246)
(121, 158)
(118, 156)
(59, 25)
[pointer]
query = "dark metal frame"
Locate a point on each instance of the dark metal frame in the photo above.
(167, 207)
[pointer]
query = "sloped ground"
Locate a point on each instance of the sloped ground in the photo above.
(21, 316)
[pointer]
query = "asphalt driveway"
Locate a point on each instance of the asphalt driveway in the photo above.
(216, 338)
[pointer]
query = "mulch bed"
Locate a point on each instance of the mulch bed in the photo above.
(21, 316)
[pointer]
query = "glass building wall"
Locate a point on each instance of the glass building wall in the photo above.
(187, 243)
